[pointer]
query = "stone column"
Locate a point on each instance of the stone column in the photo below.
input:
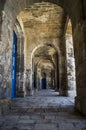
(34, 78)
(38, 78)
(52, 77)
(0, 25)
(56, 73)
(79, 35)
(17, 68)
(27, 83)
(63, 88)
(1, 81)
(1, 66)
(70, 66)
(20, 67)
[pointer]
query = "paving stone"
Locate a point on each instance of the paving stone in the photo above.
(38, 112)
(24, 117)
(36, 117)
(50, 117)
(29, 121)
(25, 126)
(45, 127)
(66, 126)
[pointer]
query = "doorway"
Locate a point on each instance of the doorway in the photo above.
(14, 55)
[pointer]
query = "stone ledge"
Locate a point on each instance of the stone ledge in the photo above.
(5, 106)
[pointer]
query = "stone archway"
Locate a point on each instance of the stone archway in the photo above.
(17, 62)
(20, 60)
(41, 57)
(37, 40)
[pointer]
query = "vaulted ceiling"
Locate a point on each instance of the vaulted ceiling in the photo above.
(43, 23)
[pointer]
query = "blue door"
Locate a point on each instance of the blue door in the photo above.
(14, 54)
(44, 83)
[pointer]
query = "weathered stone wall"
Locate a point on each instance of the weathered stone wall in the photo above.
(80, 59)
(6, 56)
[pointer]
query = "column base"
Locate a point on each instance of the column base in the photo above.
(80, 104)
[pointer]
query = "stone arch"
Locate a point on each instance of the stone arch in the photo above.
(19, 59)
(25, 4)
(31, 81)
(42, 45)
(49, 74)
(59, 68)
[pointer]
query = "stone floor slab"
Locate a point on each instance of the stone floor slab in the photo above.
(43, 111)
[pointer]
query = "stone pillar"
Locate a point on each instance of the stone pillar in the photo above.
(56, 73)
(27, 83)
(35, 79)
(38, 78)
(55, 76)
(79, 35)
(1, 81)
(20, 68)
(1, 66)
(0, 25)
(22, 63)
(70, 66)
(35, 76)
(51, 82)
(63, 88)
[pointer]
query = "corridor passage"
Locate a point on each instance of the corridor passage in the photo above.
(45, 110)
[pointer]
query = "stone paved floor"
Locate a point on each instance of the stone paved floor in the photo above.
(43, 111)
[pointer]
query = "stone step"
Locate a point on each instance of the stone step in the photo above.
(27, 110)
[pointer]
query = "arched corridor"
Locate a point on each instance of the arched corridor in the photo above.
(42, 63)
